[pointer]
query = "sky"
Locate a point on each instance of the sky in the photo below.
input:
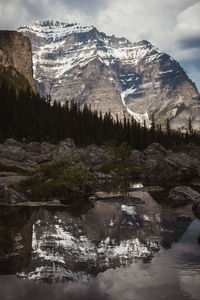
(171, 25)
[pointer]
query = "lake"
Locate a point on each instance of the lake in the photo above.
(121, 246)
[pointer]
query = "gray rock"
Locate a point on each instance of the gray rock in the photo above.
(182, 195)
(196, 209)
(12, 142)
(93, 157)
(10, 196)
(156, 150)
(60, 152)
(168, 170)
(67, 143)
(137, 158)
(195, 184)
(64, 148)
(33, 147)
(10, 179)
(14, 153)
(40, 158)
(160, 172)
(194, 151)
(47, 147)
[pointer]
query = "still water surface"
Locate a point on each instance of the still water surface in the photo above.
(124, 247)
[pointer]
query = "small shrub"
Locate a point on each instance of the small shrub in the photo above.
(119, 153)
(62, 179)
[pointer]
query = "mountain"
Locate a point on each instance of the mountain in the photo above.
(16, 59)
(111, 74)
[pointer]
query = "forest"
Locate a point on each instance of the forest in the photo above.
(27, 117)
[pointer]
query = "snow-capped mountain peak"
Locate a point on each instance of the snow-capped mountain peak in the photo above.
(54, 30)
(112, 74)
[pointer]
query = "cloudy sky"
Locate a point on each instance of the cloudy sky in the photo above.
(171, 25)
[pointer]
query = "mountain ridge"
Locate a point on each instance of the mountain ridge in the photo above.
(111, 74)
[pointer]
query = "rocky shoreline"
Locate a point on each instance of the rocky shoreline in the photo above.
(179, 173)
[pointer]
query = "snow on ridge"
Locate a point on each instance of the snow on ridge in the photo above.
(46, 55)
(54, 29)
(139, 117)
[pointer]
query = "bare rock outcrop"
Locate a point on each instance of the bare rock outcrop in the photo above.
(167, 168)
(182, 195)
(16, 53)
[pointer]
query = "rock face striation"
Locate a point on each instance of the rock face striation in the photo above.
(111, 74)
(16, 54)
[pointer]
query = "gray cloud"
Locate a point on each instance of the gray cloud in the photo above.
(192, 67)
(87, 7)
(190, 42)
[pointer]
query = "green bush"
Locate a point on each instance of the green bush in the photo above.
(62, 179)
(119, 153)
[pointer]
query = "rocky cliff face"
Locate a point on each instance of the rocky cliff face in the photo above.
(112, 74)
(16, 54)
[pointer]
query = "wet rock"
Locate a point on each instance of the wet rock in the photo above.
(183, 195)
(10, 196)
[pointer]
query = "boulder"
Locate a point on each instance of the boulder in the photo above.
(67, 143)
(12, 142)
(10, 196)
(160, 172)
(155, 150)
(12, 152)
(47, 147)
(33, 147)
(194, 151)
(10, 178)
(137, 158)
(183, 195)
(196, 210)
(64, 148)
(167, 171)
(39, 158)
(93, 157)
(195, 184)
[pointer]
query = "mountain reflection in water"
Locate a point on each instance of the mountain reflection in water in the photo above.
(103, 253)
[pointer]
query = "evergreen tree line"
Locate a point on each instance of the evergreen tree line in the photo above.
(26, 117)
